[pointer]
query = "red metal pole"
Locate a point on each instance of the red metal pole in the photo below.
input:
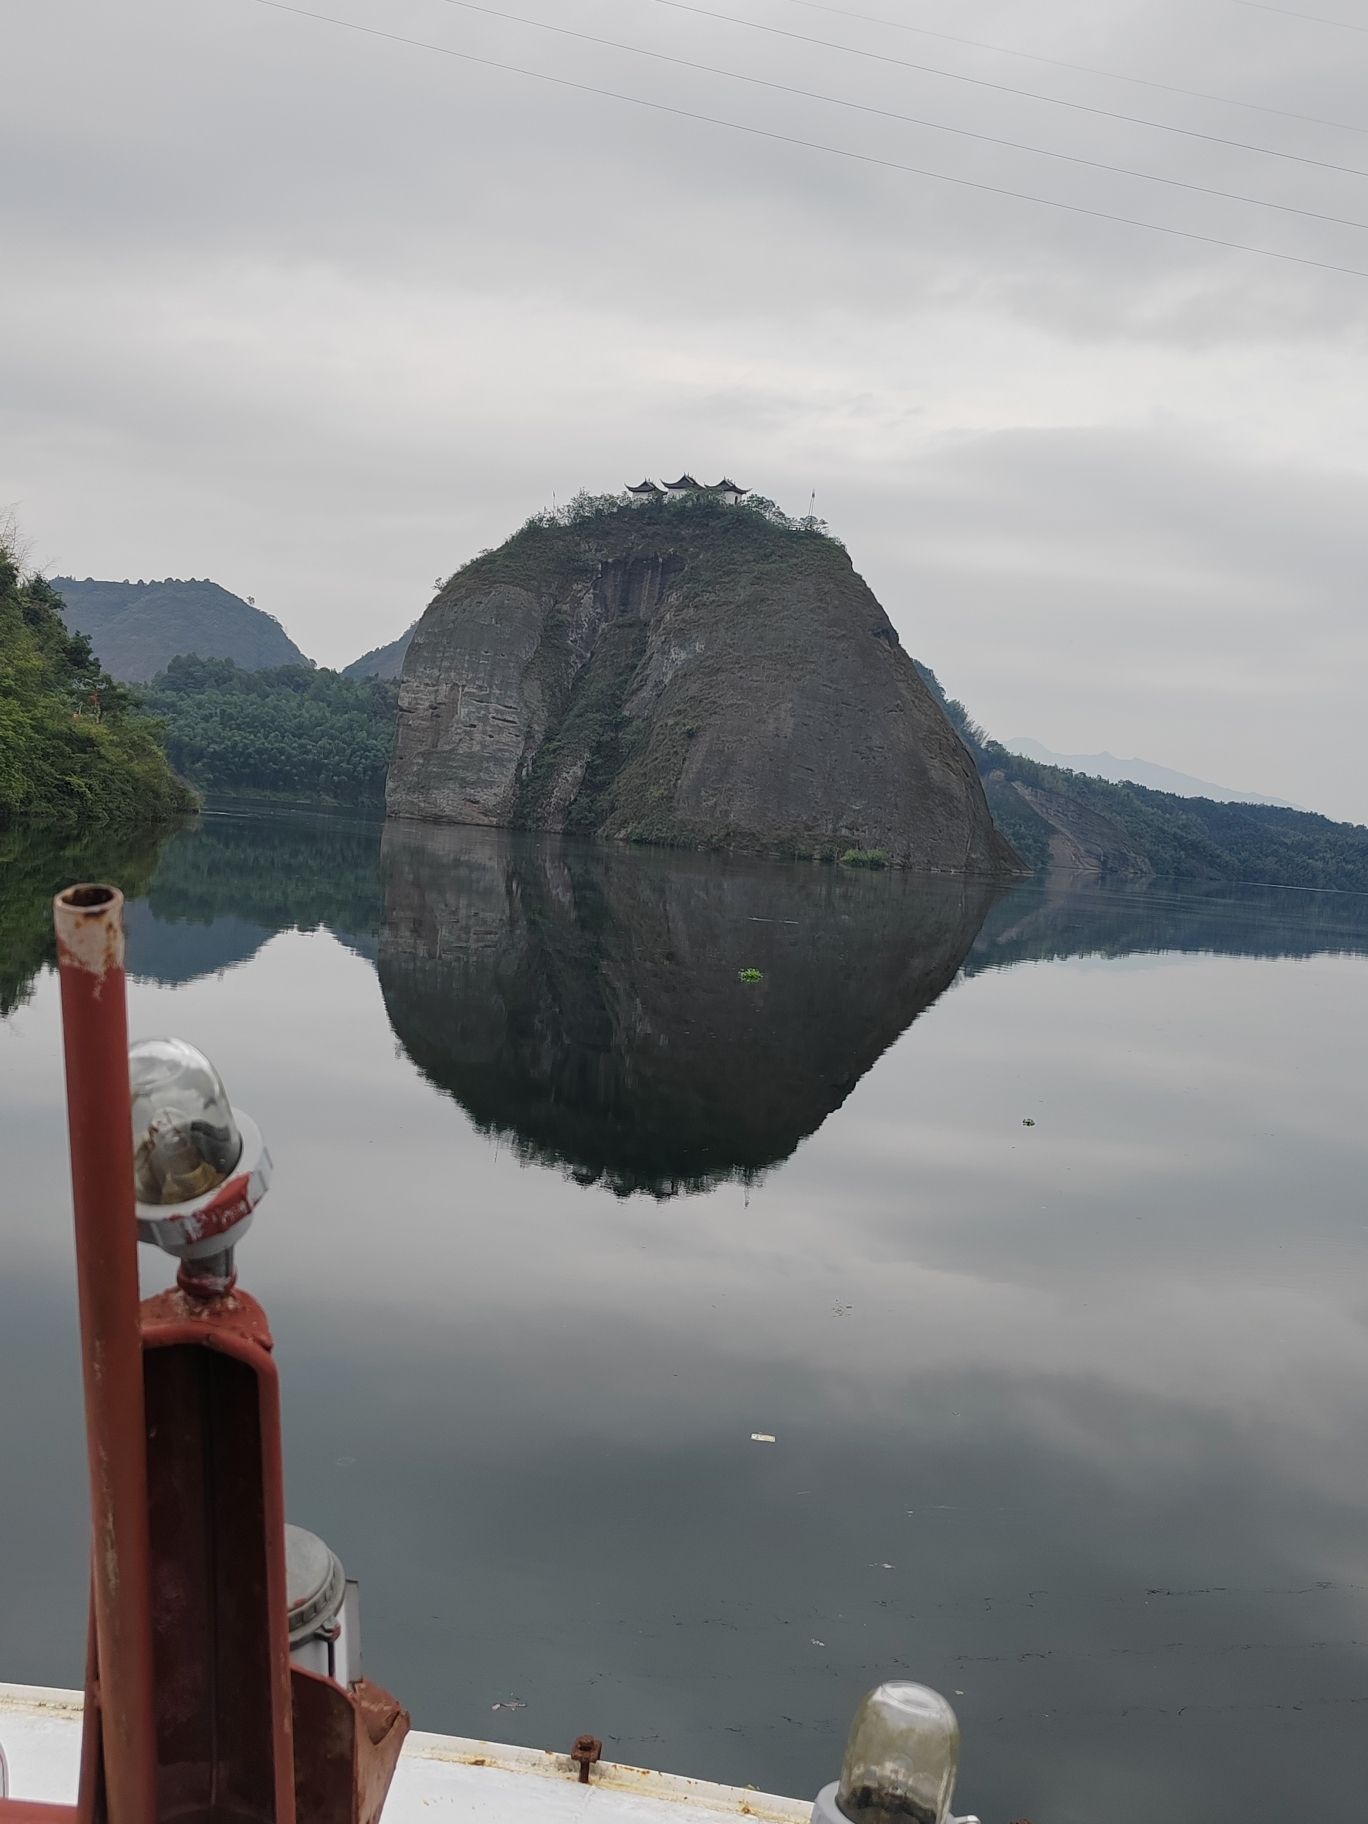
(90, 957)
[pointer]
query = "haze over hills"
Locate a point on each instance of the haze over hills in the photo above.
(1086, 825)
(138, 628)
(1139, 772)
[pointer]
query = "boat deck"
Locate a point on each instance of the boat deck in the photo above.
(439, 1776)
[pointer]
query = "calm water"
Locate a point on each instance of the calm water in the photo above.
(1070, 1418)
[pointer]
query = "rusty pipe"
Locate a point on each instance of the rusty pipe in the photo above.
(90, 961)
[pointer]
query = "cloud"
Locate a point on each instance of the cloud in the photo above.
(322, 315)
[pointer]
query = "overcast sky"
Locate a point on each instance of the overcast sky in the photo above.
(320, 315)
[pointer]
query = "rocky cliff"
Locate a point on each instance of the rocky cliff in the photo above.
(695, 675)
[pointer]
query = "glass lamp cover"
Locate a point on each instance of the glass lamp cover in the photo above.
(185, 1140)
(900, 1758)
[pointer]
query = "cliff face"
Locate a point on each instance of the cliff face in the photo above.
(586, 1001)
(687, 675)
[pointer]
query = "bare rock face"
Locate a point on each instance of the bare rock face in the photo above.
(695, 676)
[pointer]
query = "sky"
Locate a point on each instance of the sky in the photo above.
(321, 315)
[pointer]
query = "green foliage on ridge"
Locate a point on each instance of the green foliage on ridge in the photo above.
(75, 749)
(1178, 838)
(289, 733)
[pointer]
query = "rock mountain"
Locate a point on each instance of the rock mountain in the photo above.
(694, 674)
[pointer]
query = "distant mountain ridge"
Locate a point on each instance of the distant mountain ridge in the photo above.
(138, 628)
(381, 661)
(1140, 772)
(1058, 819)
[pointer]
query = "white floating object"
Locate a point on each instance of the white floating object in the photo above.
(762, 1437)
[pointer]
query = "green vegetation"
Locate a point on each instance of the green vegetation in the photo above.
(138, 628)
(75, 751)
(585, 510)
(1138, 829)
(574, 537)
(289, 733)
(751, 975)
(865, 858)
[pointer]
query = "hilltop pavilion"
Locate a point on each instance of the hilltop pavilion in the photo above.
(726, 489)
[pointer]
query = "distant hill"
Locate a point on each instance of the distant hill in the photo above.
(381, 661)
(1139, 772)
(138, 628)
(1057, 818)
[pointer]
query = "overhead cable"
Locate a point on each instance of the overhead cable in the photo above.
(916, 120)
(1262, 6)
(813, 145)
(1080, 69)
(1004, 88)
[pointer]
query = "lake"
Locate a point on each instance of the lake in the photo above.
(1030, 1224)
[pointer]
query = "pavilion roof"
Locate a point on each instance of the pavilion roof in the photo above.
(728, 486)
(685, 481)
(645, 487)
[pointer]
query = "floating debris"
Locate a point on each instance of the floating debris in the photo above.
(1026, 1121)
(816, 1643)
(750, 975)
(763, 1437)
(509, 1703)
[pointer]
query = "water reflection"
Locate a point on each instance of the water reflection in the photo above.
(587, 1003)
(621, 948)
(1059, 916)
(34, 867)
(1066, 1414)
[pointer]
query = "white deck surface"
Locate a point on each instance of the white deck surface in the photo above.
(439, 1777)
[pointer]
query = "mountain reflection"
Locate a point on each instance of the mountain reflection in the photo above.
(1057, 916)
(586, 1001)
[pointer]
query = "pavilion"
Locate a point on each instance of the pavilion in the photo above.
(648, 490)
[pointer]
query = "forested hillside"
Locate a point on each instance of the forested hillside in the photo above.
(75, 750)
(291, 732)
(138, 628)
(1051, 815)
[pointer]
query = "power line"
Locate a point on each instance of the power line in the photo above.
(1345, 25)
(1004, 88)
(916, 120)
(813, 145)
(1081, 69)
